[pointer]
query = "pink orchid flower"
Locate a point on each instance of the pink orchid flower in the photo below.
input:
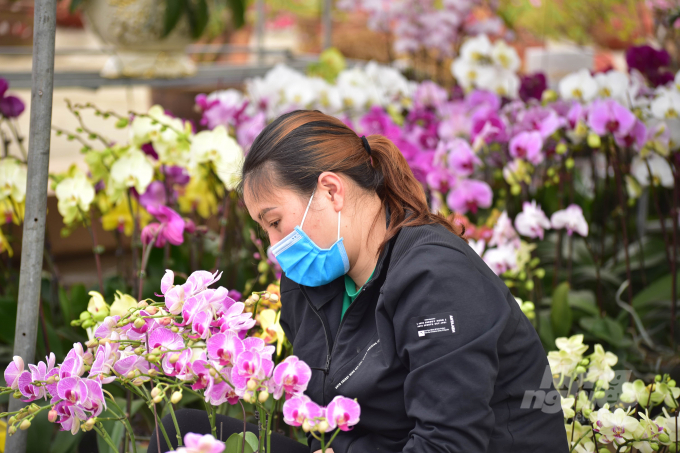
(610, 117)
(105, 357)
(572, 219)
(250, 365)
(342, 413)
(37, 373)
(469, 195)
(527, 145)
(300, 408)
(461, 158)
(165, 339)
(73, 390)
(170, 229)
(292, 376)
(220, 392)
(225, 348)
(196, 443)
(12, 372)
(70, 416)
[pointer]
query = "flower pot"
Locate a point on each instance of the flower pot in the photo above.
(134, 28)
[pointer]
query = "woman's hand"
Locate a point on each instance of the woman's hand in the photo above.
(328, 450)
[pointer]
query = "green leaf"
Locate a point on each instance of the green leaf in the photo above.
(8, 317)
(605, 329)
(583, 300)
(545, 331)
(560, 312)
(197, 12)
(238, 12)
(235, 441)
(173, 12)
(659, 290)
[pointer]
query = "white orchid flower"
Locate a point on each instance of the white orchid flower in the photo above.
(223, 151)
(666, 105)
(133, 169)
(578, 85)
(12, 179)
(662, 174)
(572, 219)
(532, 221)
(477, 49)
(613, 84)
(74, 195)
(505, 56)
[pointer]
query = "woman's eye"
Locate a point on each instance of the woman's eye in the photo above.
(274, 224)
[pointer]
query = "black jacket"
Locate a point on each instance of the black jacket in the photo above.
(435, 349)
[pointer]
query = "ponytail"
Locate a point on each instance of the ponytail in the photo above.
(297, 147)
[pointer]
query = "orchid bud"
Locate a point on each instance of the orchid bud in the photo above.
(263, 396)
(165, 321)
(584, 362)
(89, 424)
(139, 323)
(12, 430)
(142, 304)
(580, 370)
(247, 397)
(152, 357)
(152, 310)
(50, 380)
(657, 378)
(249, 302)
(52, 416)
(671, 383)
(594, 140)
(599, 395)
(255, 297)
(274, 298)
(265, 296)
(139, 350)
(175, 329)
(306, 427)
(663, 437)
(137, 382)
(33, 408)
(17, 394)
(12, 420)
(131, 375)
(174, 358)
(25, 425)
(212, 372)
(654, 446)
(158, 399)
(252, 384)
(155, 392)
(176, 397)
(152, 372)
(323, 426)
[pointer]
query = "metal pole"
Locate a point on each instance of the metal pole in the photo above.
(259, 30)
(327, 25)
(36, 196)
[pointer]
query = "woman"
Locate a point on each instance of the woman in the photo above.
(388, 304)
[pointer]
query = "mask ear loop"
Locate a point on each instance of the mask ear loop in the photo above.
(339, 225)
(307, 210)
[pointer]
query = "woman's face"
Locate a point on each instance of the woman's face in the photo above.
(279, 211)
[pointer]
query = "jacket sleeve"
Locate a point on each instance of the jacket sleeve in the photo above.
(452, 372)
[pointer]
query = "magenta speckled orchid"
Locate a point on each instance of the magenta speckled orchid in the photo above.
(170, 229)
(299, 409)
(610, 117)
(469, 195)
(527, 145)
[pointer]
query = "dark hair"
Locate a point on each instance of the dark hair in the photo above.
(297, 147)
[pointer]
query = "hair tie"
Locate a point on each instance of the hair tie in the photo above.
(367, 147)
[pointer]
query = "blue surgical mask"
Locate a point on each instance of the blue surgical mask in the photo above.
(306, 263)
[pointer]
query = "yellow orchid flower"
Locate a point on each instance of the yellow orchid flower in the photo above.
(119, 218)
(271, 328)
(4, 245)
(198, 196)
(11, 211)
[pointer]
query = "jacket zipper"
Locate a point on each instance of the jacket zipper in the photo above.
(328, 348)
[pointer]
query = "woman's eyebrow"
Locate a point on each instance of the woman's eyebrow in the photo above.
(264, 211)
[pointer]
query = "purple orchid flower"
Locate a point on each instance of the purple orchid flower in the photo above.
(532, 86)
(429, 94)
(250, 365)
(176, 175)
(249, 129)
(487, 125)
(105, 357)
(651, 62)
(73, 390)
(202, 444)
(469, 195)
(220, 392)
(149, 150)
(610, 117)
(39, 372)
(155, 195)
(342, 413)
(10, 106)
(527, 145)
(165, 339)
(482, 99)
(70, 416)
(95, 402)
(377, 121)
(177, 364)
(170, 229)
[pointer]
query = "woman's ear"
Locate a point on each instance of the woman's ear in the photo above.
(332, 187)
